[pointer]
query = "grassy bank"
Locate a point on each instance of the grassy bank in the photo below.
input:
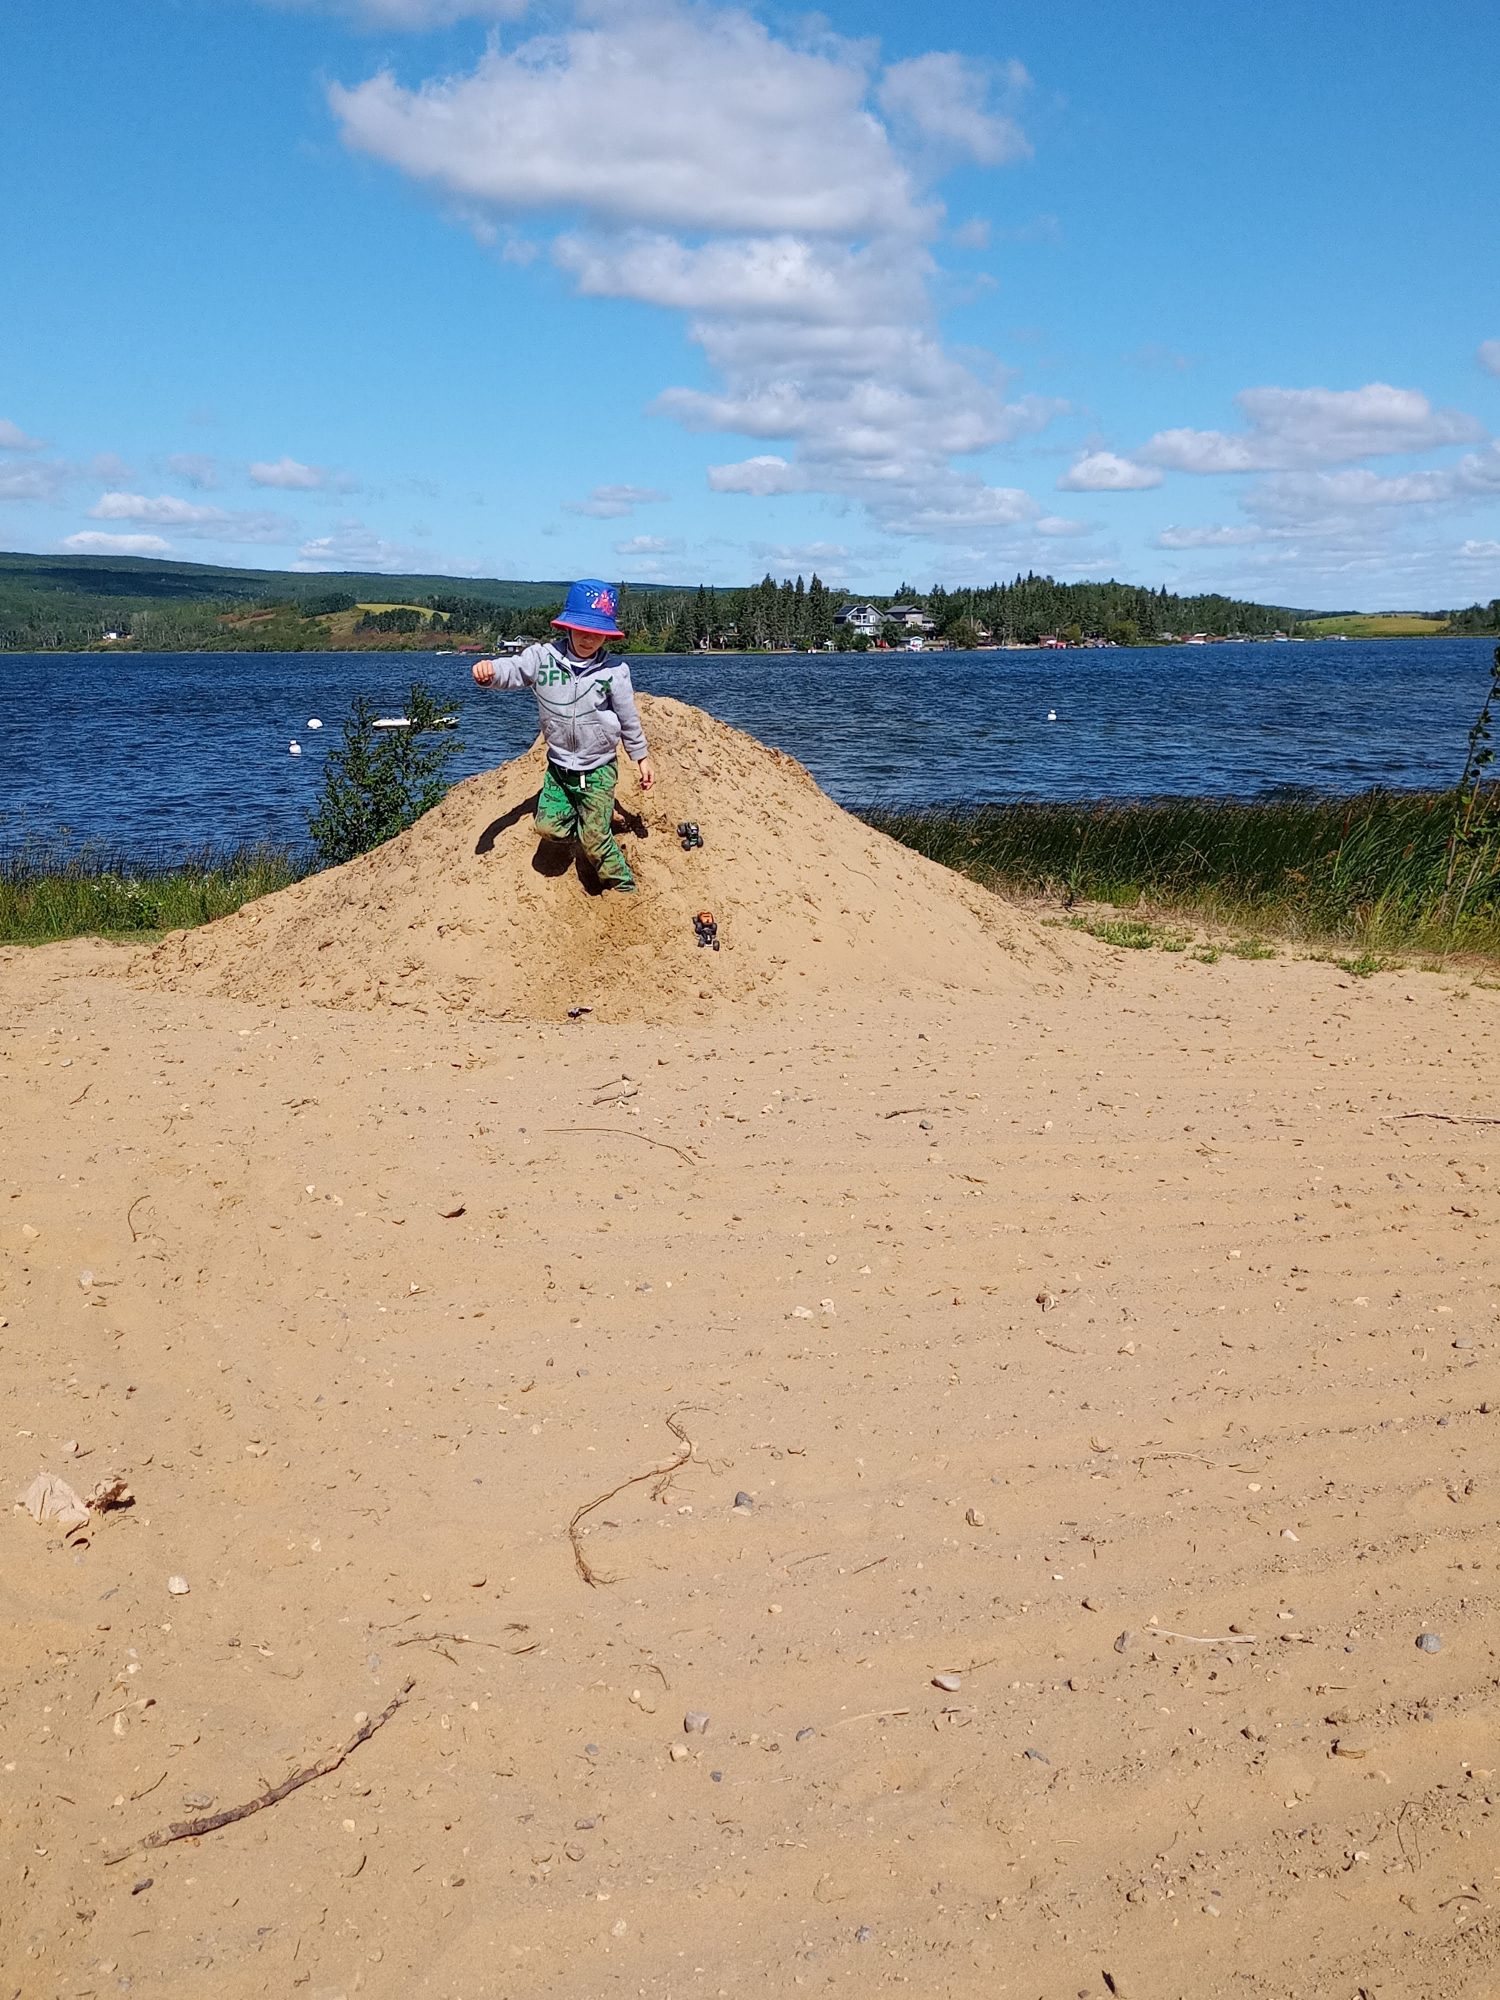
(47, 894)
(1366, 873)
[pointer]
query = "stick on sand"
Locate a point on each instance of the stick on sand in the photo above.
(190, 1829)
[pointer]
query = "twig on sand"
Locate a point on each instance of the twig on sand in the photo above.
(663, 1476)
(624, 1131)
(910, 1111)
(1192, 1638)
(190, 1829)
(436, 1640)
(870, 1715)
(1443, 1118)
(135, 1234)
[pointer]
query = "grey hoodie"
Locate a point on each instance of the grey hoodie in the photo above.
(587, 706)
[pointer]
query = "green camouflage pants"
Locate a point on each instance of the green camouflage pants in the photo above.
(578, 805)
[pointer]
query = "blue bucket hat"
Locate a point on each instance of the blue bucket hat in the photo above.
(591, 607)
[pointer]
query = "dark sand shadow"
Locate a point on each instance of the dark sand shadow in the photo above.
(554, 857)
(496, 827)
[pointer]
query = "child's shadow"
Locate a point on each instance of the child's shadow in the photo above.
(554, 857)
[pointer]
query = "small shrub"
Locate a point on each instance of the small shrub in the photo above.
(1367, 964)
(379, 782)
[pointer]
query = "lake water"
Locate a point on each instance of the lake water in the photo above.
(161, 752)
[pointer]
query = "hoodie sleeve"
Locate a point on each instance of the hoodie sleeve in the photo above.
(622, 701)
(518, 670)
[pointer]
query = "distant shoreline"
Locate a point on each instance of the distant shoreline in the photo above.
(129, 651)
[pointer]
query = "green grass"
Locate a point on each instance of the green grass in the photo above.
(47, 893)
(1374, 625)
(1363, 874)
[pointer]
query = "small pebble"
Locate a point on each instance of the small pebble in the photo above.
(573, 1850)
(717, 1776)
(1036, 1756)
(591, 1749)
(585, 1825)
(695, 1722)
(1092, 1604)
(863, 1934)
(974, 1518)
(178, 1585)
(949, 1683)
(744, 1502)
(1457, 1343)
(677, 1752)
(1429, 1642)
(1123, 1641)
(924, 1124)
(803, 1734)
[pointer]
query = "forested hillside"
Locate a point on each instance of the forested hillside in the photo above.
(71, 603)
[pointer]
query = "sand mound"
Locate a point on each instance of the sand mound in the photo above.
(455, 915)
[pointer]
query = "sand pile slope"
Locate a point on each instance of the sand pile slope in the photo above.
(456, 915)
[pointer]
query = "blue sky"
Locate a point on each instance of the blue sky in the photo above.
(1203, 298)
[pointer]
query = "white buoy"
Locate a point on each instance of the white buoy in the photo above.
(294, 749)
(313, 722)
(1052, 715)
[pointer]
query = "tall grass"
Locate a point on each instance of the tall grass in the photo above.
(1372, 871)
(49, 891)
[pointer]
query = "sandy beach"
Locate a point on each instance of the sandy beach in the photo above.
(1102, 1346)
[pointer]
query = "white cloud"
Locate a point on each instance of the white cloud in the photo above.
(1107, 472)
(412, 15)
(778, 276)
(352, 545)
(192, 517)
(609, 503)
(750, 181)
(1487, 552)
(801, 558)
(762, 476)
(1488, 356)
(943, 99)
(973, 234)
(1294, 428)
(1320, 496)
(91, 543)
(1060, 525)
(13, 438)
(43, 480)
(669, 117)
(165, 510)
(1207, 538)
(194, 469)
(646, 545)
(290, 474)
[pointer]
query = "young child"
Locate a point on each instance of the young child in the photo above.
(587, 708)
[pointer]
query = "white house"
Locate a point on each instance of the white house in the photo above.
(866, 618)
